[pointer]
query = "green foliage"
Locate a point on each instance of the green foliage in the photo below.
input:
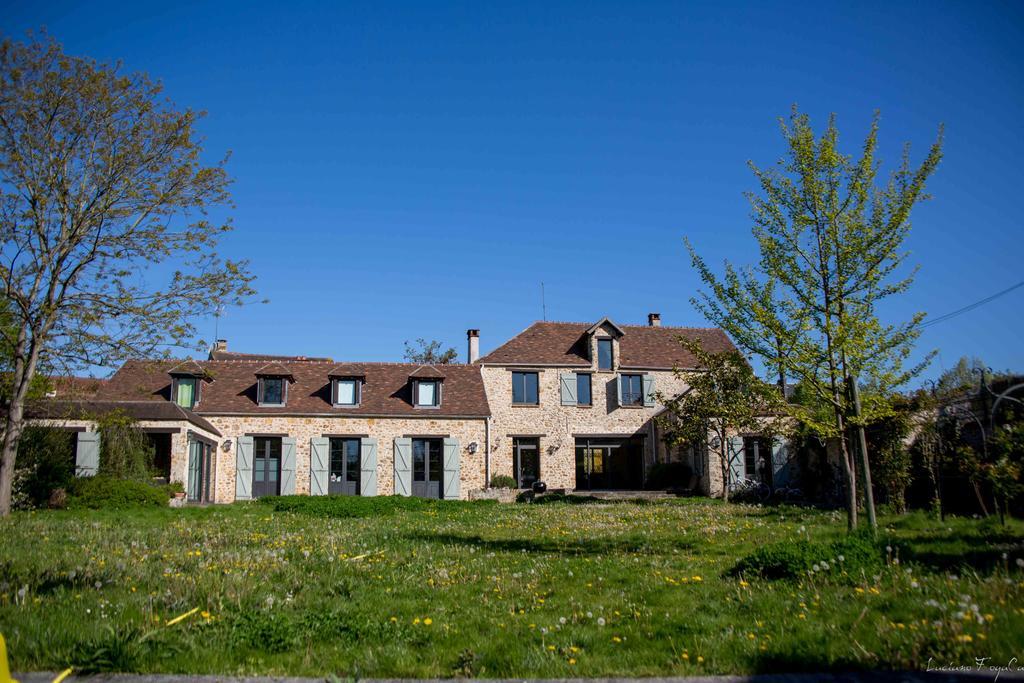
(503, 481)
(108, 493)
(831, 251)
(429, 353)
(81, 250)
(857, 555)
(125, 451)
(46, 462)
(726, 397)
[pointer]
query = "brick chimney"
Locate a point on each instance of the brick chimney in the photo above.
(654, 320)
(473, 338)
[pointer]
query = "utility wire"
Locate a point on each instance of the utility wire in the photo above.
(971, 307)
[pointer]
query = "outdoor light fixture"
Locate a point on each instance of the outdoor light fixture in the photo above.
(472, 448)
(226, 445)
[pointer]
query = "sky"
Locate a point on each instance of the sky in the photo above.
(406, 170)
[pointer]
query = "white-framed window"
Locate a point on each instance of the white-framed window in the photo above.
(347, 391)
(426, 393)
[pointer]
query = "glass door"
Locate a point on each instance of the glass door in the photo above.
(344, 475)
(266, 466)
(195, 471)
(526, 461)
(426, 468)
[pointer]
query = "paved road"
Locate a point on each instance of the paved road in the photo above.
(862, 677)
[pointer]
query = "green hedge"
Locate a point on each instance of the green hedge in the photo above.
(108, 493)
(854, 555)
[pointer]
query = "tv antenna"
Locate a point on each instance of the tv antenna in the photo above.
(543, 302)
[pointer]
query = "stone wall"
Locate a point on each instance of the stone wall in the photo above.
(556, 425)
(385, 430)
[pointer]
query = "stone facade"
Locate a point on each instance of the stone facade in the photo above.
(556, 426)
(384, 429)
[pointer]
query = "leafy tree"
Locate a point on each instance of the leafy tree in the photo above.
(961, 377)
(429, 353)
(103, 192)
(125, 450)
(723, 399)
(831, 249)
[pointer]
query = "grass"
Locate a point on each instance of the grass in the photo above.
(387, 589)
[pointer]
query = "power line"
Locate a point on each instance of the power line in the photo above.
(971, 307)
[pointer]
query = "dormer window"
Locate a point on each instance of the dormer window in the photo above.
(427, 393)
(187, 383)
(426, 382)
(186, 391)
(272, 385)
(604, 354)
(272, 391)
(347, 391)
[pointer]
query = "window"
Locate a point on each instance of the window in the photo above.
(631, 389)
(427, 394)
(524, 388)
(271, 391)
(583, 389)
(185, 392)
(604, 354)
(346, 392)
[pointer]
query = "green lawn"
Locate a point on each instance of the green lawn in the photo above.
(518, 590)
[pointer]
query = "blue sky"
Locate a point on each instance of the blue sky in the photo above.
(412, 170)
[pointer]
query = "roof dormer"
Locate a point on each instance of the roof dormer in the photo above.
(272, 382)
(187, 380)
(426, 383)
(603, 344)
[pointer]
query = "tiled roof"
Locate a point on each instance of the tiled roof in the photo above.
(139, 410)
(386, 389)
(68, 387)
(565, 344)
(427, 372)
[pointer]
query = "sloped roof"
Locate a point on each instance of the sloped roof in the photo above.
(386, 390)
(138, 410)
(69, 387)
(427, 372)
(641, 346)
(187, 367)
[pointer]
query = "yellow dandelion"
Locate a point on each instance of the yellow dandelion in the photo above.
(572, 661)
(700, 660)
(428, 621)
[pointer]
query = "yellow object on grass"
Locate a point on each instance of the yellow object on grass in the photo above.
(5, 670)
(182, 617)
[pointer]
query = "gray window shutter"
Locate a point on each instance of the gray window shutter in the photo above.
(648, 386)
(319, 457)
(87, 454)
(403, 467)
(368, 467)
(288, 466)
(451, 469)
(618, 390)
(243, 468)
(567, 384)
(780, 462)
(737, 459)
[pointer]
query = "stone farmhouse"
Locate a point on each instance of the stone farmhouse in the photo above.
(569, 404)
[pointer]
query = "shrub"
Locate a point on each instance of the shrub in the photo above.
(503, 481)
(669, 475)
(46, 461)
(855, 554)
(103, 492)
(125, 450)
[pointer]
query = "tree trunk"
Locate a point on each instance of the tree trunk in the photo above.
(862, 442)
(14, 422)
